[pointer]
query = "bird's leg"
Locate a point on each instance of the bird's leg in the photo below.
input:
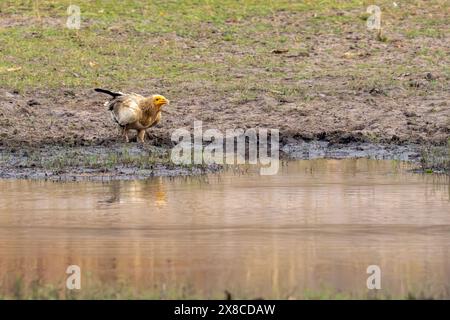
(125, 134)
(141, 136)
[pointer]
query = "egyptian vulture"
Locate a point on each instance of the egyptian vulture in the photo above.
(133, 111)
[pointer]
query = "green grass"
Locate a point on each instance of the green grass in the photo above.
(74, 158)
(36, 290)
(63, 160)
(138, 44)
(104, 160)
(435, 159)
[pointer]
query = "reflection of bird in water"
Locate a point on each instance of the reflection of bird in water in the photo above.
(137, 191)
(161, 197)
(115, 193)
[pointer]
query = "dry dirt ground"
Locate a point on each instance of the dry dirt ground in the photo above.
(78, 117)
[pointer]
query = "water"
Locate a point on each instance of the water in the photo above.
(311, 230)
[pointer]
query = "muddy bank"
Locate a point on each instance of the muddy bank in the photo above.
(324, 149)
(426, 158)
(67, 134)
(330, 86)
(114, 162)
(66, 117)
(120, 161)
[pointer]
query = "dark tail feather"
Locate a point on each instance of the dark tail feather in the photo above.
(111, 93)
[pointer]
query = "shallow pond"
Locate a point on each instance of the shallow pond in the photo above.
(310, 231)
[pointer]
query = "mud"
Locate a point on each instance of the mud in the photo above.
(115, 162)
(70, 136)
(323, 149)
(119, 161)
(78, 118)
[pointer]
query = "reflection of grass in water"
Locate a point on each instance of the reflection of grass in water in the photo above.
(36, 290)
(435, 158)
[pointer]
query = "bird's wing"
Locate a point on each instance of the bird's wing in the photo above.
(125, 109)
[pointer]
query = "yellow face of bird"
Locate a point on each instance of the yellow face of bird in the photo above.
(159, 100)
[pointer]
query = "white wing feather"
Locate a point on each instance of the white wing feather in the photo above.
(125, 109)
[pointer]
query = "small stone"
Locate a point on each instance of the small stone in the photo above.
(376, 91)
(410, 114)
(33, 102)
(429, 76)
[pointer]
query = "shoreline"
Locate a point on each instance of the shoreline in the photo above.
(135, 162)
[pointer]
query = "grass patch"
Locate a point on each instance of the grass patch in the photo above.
(19, 289)
(137, 44)
(435, 159)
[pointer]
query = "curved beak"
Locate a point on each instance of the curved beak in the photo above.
(165, 101)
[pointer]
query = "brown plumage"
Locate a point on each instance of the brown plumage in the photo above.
(133, 111)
